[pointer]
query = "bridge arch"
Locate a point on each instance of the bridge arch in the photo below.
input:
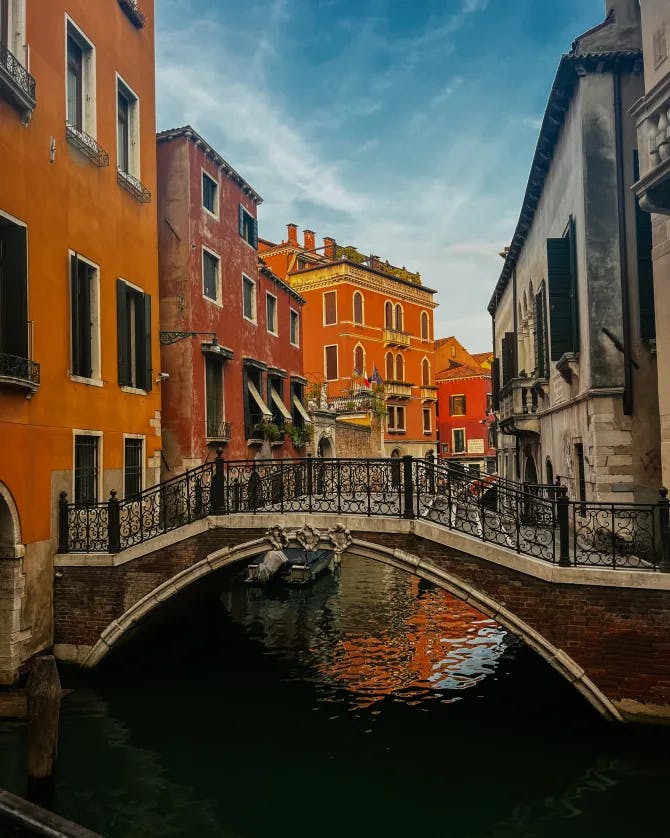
(360, 548)
(10, 525)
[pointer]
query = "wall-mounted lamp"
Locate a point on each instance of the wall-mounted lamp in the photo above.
(168, 338)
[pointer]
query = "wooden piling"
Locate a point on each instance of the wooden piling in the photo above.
(43, 704)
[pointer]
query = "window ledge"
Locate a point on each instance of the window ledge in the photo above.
(80, 379)
(133, 13)
(133, 186)
(17, 85)
(135, 390)
(212, 301)
(85, 144)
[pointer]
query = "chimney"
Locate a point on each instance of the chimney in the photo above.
(329, 248)
(309, 239)
(292, 234)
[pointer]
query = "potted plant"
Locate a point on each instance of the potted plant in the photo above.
(299, 436)
(268, 431)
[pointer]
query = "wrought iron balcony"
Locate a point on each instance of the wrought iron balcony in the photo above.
(653, 130)
(132, 185)
(134, 13)
(16, 84)
(394, 337)
(429, 393)
(360, 402)
(86, 145)
(19, 372)
(398, 389)
(218, 429)
(520, 402)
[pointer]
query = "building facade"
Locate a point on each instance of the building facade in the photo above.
(652, 115)
(575, 371)
(79, 407)
(465, 421)
(231, 329)
(367, 323)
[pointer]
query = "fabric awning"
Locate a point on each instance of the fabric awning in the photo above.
(256, 396)
(276, 398)
(301, 410)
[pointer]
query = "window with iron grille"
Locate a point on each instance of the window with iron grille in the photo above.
(457, 405)
(86, 455)
(133, 466)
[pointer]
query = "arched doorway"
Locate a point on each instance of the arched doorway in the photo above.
(550, 471)
(530, 473)
(324, 449)
(395, 467)
(10, 529)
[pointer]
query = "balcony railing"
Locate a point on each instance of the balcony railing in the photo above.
(360, 402)
(520, 402)
(86, 145)
(218, 429)
(394, 337)
(16, 84)
(398, 389)
(653, 129)
(131, 184)
(429, 393)
(134, 13)
(19, 372)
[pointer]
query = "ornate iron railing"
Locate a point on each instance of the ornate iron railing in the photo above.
(18, 76)
(22, 371)
(134, 186)
(86, 145)
(534, 520)
(218, 429)
(134, 13)
(359, 402)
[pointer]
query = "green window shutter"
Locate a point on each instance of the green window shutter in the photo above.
(14, 291)
(255, 233)
(122, 333)
(495, 382)
(144, 361)
(74, 313)
(561, 318)
(541, 365)
(85, 325)
(241, 220)
(508, 371)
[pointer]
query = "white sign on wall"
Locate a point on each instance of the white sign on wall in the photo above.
(475, 446)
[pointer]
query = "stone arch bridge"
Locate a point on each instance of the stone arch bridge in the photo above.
(604, 624)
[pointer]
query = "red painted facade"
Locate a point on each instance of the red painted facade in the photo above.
(205, 260)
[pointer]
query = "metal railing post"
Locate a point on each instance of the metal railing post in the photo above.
(63, 524)
(310, 481)
(562, 507)
(219, 487)
(430, 465)
(113, 523)
(664, 516)
(408, 488)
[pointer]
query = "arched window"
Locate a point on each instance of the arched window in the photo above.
(398, 317)
(399, 367)
(389, 367)
(358, 308)
(388, 315)
(550, 471)
(425, 372)
(359, 359)
(425, 333)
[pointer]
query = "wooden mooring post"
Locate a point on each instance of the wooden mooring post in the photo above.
(43, 693)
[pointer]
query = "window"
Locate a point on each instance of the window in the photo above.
(358, 308)
(248, 227)
(425, 332)
(133, 466)
(425, 372)
(211, 286)
(86, 468)
(255, 409)
(489, 403)
(427, 421)
(492, 437)
(294, 322)
(398, 317)
(280, 413)
(330, 354)
(359, 359)
(563, 307)
(541, 341)
(133, 331)
(84, 318)
(330, 308)
(298, 413)
(457, 405)
(127, 130)
(388, 315)
(13, 289)
(396, 418)
(445, 447)
(458, 439)
(210, 194)
(271, 313)
(80, 81)
(399, 367)
(214, 415)
(248, 298)
(390, 371)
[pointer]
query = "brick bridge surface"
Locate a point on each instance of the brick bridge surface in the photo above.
(620, 636)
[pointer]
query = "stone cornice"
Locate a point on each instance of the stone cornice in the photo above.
(341, 273)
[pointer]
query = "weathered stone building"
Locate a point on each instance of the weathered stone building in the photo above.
(575, 368)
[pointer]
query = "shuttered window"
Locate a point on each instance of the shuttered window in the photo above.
(425, 372)
(214, 397)
(82, 279)
(210, 194)
(331, 363)
(495, 383)
(359, 360)
(133, 325)
(563, 314)
(330, 308)
(13, 290)
(388, 315)
(508, 363)
(426, 420)
(424, 326)
(541, 341)
(358, 308)
(248, 227)
(210, 275)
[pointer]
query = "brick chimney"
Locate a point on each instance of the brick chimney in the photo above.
(329, 247)
(292, 234)
(310, 243)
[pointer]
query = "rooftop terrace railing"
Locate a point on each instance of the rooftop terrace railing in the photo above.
(530, 519)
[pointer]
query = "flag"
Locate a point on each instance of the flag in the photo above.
(366, 380)
(376, 377)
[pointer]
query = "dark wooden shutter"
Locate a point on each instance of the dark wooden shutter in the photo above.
(508, 343)
(14, 291)
(144, 361)
(75, 328)
(330, 302)
(541, 365)
(331, 363)
(560, 297)
(122, 333)
(495, 382)
(254, 241)
(241, 220)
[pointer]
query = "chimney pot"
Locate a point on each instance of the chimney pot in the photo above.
(309, 239)
(292, 234)
(329, 247)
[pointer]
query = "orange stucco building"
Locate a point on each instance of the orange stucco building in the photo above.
(79, 403)
(363, 315)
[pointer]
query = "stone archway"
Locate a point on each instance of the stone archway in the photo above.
(325, 448)
(10, 526)
(530, 471)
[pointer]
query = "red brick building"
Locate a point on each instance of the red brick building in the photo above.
(231, 360)
(464, 418)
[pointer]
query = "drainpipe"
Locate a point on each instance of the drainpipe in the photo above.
(515, 371)
(623, 248)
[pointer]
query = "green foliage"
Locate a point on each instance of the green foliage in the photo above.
(299, 436)
(268, 430)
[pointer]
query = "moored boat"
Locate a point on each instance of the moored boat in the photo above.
(291, 566)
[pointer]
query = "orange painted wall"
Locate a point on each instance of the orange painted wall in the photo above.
(71, 204)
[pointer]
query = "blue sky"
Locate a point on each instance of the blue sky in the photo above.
(404, 127)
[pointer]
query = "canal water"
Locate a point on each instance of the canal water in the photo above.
(371, 704)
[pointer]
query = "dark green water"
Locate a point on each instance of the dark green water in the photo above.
(371, 705)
